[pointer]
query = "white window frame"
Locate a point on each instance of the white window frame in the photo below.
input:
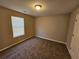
(17, 26)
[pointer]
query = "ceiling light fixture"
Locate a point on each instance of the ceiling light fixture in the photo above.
(38, 7)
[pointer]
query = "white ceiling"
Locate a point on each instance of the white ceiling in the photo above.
(49, 7)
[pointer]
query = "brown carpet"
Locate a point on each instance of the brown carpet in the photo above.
(37, 48)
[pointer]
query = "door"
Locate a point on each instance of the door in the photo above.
(75, 40)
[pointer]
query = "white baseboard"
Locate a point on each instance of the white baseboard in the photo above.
(52, 40)
(14, 44)
(69, 51)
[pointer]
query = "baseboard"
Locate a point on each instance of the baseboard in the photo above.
(52, 40)
(69, 51)
(15, 44)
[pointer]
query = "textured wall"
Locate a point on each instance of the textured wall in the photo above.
(70, 30)
(52, 27)
(71, 27)
(6, 38)
(73, 43)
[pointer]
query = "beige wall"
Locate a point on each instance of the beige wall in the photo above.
(6, 38)
(73, 43)
(70, 30)
(52, 27)
(71, 27)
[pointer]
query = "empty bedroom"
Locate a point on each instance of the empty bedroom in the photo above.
(39, 29)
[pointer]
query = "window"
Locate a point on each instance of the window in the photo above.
(17, 26)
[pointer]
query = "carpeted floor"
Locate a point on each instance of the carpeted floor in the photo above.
(37, 48)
